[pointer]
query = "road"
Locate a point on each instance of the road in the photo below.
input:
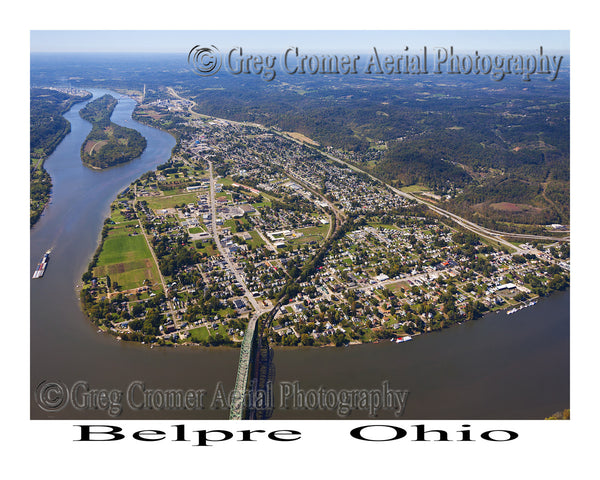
(151, 248)
(224, 252)
(265, 239)
(246, 350)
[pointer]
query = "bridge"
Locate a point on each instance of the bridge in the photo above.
(242, 380)
(249, 351)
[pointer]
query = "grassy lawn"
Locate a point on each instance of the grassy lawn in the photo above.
(225, 181)
(414, 189)
(157, 203)
(368, 336)
(200, 334)
(173, 191)
(397, 286)
(223, 314)
(197, 230)
(306, 239)
(116, 216)
(203, 334)
(208, 248)
(120, 246)
(223, 195)
(384, 225)
(267, 199)
(242, 224)
(318, 230)
(256, 240)
(309, 234)
(115, 212)
(259, 205)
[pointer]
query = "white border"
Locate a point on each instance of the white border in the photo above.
(544, 449)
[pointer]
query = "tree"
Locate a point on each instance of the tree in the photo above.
(338, 338)
(557, 282)
(137, 309)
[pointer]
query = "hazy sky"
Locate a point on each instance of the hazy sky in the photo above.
(180, 41)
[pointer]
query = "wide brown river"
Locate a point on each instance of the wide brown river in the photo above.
(498, 367)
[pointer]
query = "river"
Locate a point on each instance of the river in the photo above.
(501, 366)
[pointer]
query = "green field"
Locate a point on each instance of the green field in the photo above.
(225, 181)
(173, 191)
(208, 249)
(157, 203)
(415, 189)
(318, 230)
(203, 334)
(223, 195)
(242, 224)
(116, 216)
(256, 240)
(197, 230)
(310, 234)
(199, 334)
(126, 258)
(384, 225)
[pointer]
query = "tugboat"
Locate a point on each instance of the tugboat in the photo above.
(41, 268)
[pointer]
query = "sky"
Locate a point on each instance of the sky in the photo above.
(356, 41)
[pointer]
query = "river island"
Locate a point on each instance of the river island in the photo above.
(108, 144)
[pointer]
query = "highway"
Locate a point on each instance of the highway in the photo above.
(493, 235)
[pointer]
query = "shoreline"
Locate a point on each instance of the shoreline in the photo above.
(237, 345)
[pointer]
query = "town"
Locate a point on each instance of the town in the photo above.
(242, 217)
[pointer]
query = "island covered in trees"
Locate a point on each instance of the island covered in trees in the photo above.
(108, 144)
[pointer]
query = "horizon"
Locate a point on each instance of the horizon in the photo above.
(355, 41)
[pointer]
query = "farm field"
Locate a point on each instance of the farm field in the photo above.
(126, 258)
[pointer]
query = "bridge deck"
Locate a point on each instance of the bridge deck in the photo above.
(241, 382)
